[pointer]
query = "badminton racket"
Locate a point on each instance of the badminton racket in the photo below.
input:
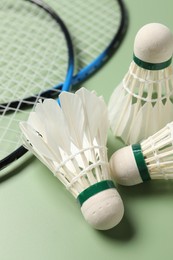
(97, 29)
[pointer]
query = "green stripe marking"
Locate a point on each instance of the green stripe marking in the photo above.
(140, 161)
(94, 189)
(152, 66)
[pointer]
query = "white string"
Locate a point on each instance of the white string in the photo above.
(160, 171)
(149, 81)
(83, 172)
(72, 156)
(143, 98)
(91, 23)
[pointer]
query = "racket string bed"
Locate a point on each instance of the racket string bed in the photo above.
(36, 54)
(97, 29)
(28, 51)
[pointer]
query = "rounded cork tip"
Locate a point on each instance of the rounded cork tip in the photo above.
(104, 210)
(154, 43)
(123, 167)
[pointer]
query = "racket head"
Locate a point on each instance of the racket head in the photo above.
(97, 29)
(36, 53)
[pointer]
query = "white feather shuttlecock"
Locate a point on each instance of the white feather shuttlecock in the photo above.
(71, 142)
(141, 104)
(151, 159)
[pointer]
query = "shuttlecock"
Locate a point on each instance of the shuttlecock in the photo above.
(150, 159)
(141, 104)
(71, 142)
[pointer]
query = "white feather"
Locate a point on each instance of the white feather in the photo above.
(74, 116)
(71, 140)
(134, 112)
(92, 111)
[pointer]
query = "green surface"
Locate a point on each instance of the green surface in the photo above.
(40, 220)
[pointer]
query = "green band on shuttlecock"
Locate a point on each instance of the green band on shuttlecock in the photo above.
(140, 161)
(94, 189)
(151, 66)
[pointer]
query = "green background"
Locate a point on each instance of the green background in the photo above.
(40, 220)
